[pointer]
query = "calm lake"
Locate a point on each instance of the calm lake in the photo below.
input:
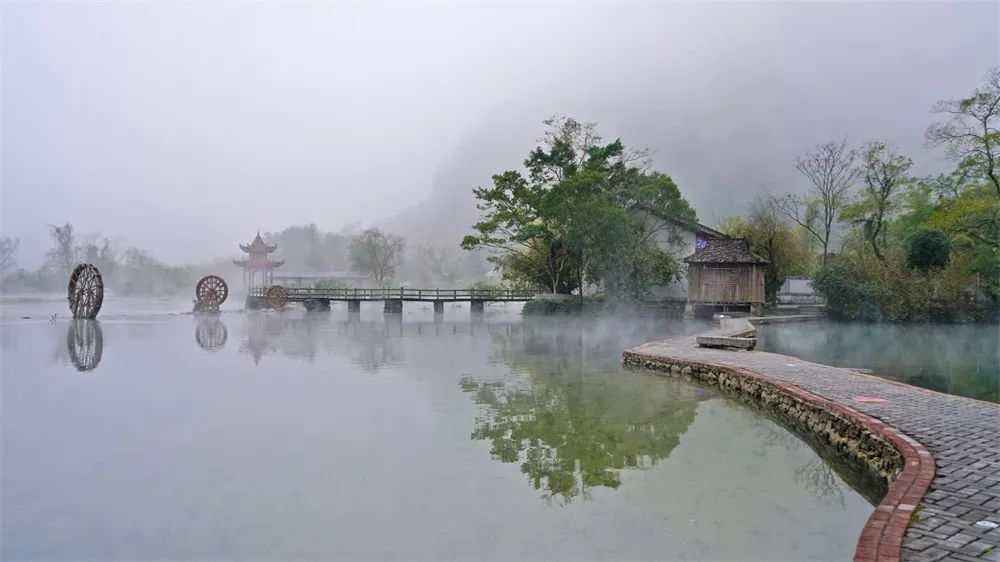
(289, 436)
(962, 359)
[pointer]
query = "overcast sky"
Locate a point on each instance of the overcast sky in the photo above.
(185, 128)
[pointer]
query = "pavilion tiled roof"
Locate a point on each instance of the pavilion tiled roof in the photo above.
(725, 250)
(258, 246)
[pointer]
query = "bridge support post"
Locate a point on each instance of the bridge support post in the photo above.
(353, 310)
(393, 306)
(438, 309)
(477, 306)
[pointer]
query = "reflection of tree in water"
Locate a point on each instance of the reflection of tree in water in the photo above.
(211, 333)
(85, 343)
(572, 431)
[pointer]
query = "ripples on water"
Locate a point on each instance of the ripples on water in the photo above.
(286, 436)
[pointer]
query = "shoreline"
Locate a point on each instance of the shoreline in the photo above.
(872, 432)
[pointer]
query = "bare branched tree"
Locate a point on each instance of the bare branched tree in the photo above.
(969, 133)
(831, 170)
(63, 253)
(8, 247)
(377, 253)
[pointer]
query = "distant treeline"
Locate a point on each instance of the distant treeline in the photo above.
(126, 271)
(385, 258)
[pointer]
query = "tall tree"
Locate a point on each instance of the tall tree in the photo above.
(8, 247)
(377, 253)
(883, 173)
(583, 212)
(63, 253)
(831, 170)
(969, 133)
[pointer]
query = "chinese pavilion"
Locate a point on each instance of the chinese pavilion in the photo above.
(257, 262)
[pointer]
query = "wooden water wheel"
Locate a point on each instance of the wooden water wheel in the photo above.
(85, 344)
(211, 291)
(85, 291)
(277, 296)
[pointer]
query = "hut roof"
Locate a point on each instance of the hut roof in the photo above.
(725, 250)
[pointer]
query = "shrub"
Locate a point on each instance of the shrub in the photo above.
(929, 249)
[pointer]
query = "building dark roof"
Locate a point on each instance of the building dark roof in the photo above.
(725, 250)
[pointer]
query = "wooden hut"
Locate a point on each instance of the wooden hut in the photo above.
(724, 276)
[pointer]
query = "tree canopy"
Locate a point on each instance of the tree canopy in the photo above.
(581, 212)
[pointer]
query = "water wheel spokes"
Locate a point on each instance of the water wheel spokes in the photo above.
(277, 296)
(85, 291)
(211, 291)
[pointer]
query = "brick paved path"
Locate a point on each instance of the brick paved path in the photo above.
(954, 519)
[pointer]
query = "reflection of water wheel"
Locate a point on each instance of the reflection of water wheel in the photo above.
(277, 296)
(85, 291)
(211, 291)
(85, 343)
(211, 335)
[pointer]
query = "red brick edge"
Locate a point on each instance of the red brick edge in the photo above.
(882, 536)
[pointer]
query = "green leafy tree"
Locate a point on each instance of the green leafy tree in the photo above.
(969, 132)
(581, 212)
(883, 175)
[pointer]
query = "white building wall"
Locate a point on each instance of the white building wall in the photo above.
(679, 242)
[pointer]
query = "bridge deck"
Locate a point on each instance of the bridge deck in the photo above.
(302, 294)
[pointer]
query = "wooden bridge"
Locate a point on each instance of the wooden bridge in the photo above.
(277, 296)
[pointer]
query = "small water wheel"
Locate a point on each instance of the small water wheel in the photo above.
(211, 291)
(85, 291)
(277, 296)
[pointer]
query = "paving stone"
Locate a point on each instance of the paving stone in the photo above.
(976, 548)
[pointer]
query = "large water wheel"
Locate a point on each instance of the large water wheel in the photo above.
(211, 291)
(85, 344)
(277, 296)
(85, 291)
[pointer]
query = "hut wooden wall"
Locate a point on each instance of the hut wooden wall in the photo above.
(726, 283)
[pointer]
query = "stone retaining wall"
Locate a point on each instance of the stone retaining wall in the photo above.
(858, 445)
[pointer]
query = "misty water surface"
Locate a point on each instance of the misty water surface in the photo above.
(959, 359)
(286, 436)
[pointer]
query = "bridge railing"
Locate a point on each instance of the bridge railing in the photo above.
(401, 293)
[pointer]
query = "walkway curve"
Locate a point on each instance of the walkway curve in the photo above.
(954, 521)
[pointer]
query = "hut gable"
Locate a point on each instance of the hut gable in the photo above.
(724, 250)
